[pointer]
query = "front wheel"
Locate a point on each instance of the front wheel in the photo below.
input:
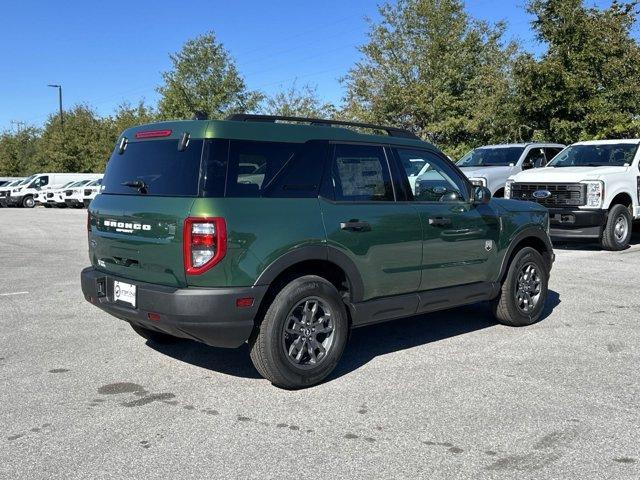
(617, 231)
(28, 202)
(524, 291)
(302, 335)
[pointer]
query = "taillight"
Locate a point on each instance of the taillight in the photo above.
(205, 243)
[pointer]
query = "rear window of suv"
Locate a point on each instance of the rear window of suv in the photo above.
(164, 169)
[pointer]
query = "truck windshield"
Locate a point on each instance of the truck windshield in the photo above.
(27, 180)
(491, 157)
(603, 155)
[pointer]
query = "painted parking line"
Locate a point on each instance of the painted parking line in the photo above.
(13, 293)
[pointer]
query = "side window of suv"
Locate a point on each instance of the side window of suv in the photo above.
(361, 173)
(436, 181)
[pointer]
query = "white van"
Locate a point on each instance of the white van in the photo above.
(24, 194)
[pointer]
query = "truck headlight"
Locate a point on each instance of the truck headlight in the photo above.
(595, 193)
(507, 189)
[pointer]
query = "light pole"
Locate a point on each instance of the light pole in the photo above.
(59, 87)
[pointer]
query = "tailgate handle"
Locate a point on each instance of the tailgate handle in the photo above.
(125, 262)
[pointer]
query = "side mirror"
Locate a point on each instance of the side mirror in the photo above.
(481, 195)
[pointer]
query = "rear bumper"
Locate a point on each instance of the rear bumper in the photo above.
(208, 315)
(576, 223)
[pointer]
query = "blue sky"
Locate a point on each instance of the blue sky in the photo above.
(104, 53)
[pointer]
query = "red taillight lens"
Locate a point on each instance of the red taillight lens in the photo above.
(205, 243)
(153, 134)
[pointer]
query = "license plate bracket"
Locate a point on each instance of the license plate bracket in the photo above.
(124, 293)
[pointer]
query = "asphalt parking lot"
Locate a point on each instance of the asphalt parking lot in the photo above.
(446, 395)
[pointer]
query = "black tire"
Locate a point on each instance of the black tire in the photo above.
(618, 229)
(154, 336)
(28, 202)
(506, 306)
(268, 345)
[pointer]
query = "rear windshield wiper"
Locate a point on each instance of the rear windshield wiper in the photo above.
(138, 184)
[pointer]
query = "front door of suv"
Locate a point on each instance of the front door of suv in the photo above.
(459, 236)
(381, 236)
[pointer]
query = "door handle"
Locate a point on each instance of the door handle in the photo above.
(440, 222)
(355, 226)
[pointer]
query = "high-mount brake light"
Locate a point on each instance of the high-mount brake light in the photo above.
(204, 243)
(153, 134)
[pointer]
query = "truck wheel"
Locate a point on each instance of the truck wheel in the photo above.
(302, 335)
(524, 291)
(617, 232)
(154, 336)
(28, 202)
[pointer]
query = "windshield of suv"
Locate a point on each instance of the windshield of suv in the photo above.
(491, 157)
(602, 155)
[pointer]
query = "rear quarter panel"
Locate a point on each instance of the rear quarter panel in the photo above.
(259, 231)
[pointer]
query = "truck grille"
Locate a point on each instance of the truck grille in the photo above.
(87, 192)
(49, 195)
(561, 194)
(3, 194)
(68, 193)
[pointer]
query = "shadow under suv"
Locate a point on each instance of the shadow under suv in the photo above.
(285, 233)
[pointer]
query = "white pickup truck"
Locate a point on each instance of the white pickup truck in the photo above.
(591, 189)
(491, 165)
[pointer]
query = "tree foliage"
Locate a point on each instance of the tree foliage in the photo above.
(587, 83)
(204, 78)
(299, 102)
(431, 68)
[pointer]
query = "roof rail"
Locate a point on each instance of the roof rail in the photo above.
(391, 131)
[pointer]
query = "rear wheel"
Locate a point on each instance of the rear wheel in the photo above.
(617, 231)
(153, 335)
(524, 291)
(302, 335)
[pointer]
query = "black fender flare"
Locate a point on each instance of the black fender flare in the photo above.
(315, 252)
(529, 232)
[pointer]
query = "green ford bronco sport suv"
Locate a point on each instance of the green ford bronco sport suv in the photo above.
(286, 233)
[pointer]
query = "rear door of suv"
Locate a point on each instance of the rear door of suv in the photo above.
(364, 220)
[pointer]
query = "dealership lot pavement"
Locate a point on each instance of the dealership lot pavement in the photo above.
(446, 395)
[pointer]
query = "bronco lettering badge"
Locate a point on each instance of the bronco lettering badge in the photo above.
(126, 227)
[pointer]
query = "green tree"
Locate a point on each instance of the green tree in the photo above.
(83, 145)
(587, 83)
(299, 102)
(127, 116)
(204, 78)
(430, 67)
(17, 151)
